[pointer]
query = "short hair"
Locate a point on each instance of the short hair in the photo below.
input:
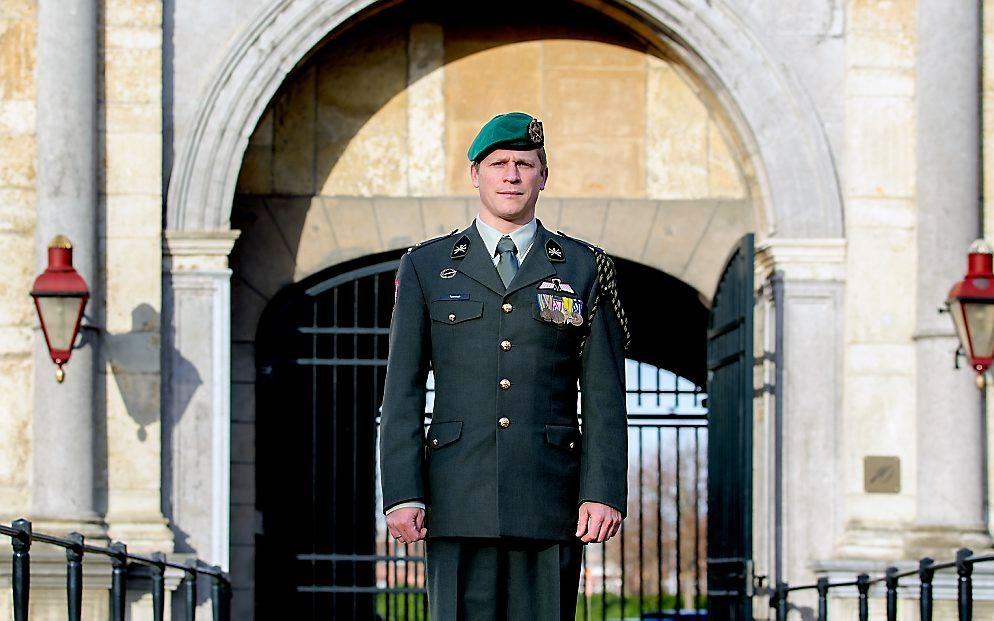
(543, 159)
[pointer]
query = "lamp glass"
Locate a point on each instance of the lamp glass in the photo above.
(979, 318)
(60, 315)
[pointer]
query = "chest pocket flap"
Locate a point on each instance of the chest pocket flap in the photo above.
(456, 311)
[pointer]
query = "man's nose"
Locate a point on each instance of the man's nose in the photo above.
(511, 173)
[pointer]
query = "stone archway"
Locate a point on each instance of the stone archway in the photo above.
(793, 165)
(792, 182)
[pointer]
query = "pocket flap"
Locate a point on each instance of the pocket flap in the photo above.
(456, 311)
(566, 438)
(441, 434)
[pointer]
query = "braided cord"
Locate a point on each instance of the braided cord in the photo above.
(607, 276)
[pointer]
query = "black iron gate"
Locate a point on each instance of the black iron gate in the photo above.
(730, 387)
(321, 363)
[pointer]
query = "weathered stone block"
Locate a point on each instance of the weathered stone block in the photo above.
(470, 92)
(16, 409)
(880, 144)
(586, 162)
(871, 315)
(17, 210)
(140, 118)
(627, 227)
(611, 105)
(133, 285)
(586, 54)
(676, 144)
(133, 75)
(294, 135)
(17, 275)
(17, 164)
(133, 215)
(441, 215)
(18, 40)
(724, 176)
(17, 116)
(133, 163)
(132, 13)
(399, 222)
(373, 160)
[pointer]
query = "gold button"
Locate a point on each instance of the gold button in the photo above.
(507, 308)
(452, 316)
(505, 345)
(571, 444)
(434, 442)
(504, 422)
(505, 383)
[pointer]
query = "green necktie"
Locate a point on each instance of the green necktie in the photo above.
(507, 267)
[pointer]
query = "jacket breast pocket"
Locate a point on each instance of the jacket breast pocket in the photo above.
(454, 312)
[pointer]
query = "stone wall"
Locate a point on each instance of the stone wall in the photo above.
(18, 29)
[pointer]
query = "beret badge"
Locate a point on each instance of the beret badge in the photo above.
(535, 132)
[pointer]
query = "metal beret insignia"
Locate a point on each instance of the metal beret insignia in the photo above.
(554, 251)
(535, 133)
(460, 248)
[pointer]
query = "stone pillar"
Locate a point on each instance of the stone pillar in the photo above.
(813, 273)
(949, 475)
(196, 396)
(64, 485)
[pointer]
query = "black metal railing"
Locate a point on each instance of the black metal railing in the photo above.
(925, 572)
(22, 537)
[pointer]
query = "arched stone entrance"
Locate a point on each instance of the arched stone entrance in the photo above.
(788, 191)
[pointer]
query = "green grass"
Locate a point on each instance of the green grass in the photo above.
(611, 604)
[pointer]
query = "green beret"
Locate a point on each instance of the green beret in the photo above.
(516, 131)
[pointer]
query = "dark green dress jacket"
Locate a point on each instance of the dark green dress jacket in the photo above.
(502, 458)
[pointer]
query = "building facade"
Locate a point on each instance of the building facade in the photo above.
(207, 157)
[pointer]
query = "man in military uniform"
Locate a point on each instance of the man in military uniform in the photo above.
(510, 317)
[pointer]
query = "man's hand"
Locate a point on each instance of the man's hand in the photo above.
(407, 525)
(597, 523)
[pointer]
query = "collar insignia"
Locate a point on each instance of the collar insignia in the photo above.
(461, 247)
(554, 251)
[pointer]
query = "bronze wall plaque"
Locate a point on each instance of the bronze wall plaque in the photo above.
(881, 474)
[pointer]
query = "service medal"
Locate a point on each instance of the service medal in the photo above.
(558, 317)
(576, 319)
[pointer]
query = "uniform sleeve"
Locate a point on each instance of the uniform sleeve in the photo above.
(604, 457)
(402, 418)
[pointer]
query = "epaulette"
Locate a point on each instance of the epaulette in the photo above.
(432, 240)
(593, 247)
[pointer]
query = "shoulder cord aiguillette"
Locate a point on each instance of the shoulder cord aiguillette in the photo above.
(607, 278)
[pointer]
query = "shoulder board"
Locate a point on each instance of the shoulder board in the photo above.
(433, 240)
(592, 247)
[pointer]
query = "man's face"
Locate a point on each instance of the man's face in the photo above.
(509, 183)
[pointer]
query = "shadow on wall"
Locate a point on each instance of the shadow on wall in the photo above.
(134, 359)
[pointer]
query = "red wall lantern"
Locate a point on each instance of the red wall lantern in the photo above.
(60, 294)
(971, 303)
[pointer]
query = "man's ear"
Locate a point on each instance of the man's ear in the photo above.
(545, 178)
(474, 175)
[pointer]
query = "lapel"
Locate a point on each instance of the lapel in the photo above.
(477, 264)
(536, 265)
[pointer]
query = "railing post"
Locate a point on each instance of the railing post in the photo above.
(21, 570)
(964, 572)
(190, 591)
(925, 575)
(74, 577)
(219, 595)
(118, 584)
(891, 582)
(822, 599)
(863, 586)
(158, 585)
(782, 604)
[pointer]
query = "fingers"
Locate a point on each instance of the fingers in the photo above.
(598, 523)
(407, 525)
(594, 528)
(581, 525)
